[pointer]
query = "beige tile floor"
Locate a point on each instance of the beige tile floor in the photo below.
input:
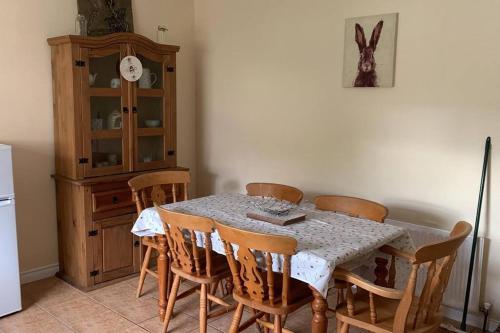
(52, 305)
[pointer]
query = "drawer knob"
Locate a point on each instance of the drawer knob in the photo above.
(137, 243)
(115, 200)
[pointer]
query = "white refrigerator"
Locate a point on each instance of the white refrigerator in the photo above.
(10, 289)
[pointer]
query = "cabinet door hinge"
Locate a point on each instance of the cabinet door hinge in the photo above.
(94, 273)
(92, 233)
(83, 160)
(79, 63)
(170, 69)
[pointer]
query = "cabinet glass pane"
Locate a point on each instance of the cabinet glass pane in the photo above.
(104, 70)
(149, 112)
(152, 76)
(106, 152)
(105, 113)
(150, 148)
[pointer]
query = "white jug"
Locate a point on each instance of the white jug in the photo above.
(148, 79)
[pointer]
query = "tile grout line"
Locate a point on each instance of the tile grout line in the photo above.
(84, 295)
(65, 324)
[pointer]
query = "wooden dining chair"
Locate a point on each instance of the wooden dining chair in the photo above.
(259, 288)
(385, 309)
(158, 188)
(191, 262)
(277, 191)
(351, 206)
(355, 207)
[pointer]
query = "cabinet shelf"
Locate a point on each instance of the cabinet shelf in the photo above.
(105, 92)
(150, 131)
(107, 134)
(150, 92)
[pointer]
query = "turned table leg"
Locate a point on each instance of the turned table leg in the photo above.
(163, 273)
(381, 271)
(319, 307)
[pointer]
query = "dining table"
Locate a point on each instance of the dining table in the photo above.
(325, 240)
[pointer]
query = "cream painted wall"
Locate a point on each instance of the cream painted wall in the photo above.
(26, 100)
(271, 107)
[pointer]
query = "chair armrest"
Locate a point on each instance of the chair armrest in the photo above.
(344, 275)
(387, 249)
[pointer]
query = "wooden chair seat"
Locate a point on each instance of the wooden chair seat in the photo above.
(150, 241)
(386, 308)
(300, 294)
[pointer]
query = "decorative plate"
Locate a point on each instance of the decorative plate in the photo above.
(131, 68)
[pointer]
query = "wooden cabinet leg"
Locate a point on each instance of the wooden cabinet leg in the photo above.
(319, 307)
(163, 273)
(381, 271)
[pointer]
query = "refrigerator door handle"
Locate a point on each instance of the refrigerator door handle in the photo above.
(5, 203)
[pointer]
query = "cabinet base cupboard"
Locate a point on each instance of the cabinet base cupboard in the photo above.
(106, 131)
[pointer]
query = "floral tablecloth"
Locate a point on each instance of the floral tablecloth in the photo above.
(325, 239)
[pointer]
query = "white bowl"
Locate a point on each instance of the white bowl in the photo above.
(152, 123)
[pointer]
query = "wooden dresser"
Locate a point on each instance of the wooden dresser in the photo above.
(106, 131)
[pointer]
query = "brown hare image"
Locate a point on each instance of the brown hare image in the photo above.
(367, 76)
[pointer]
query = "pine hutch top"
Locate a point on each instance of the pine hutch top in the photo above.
(104, 124)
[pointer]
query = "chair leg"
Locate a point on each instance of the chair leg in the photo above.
(257, 325)
(213, 291)
(203, 308)
(339, 325)
(235, 324)
(170, 278)
(277, 324)
(344, 328)
(267, 318)
(171, 302)
(340, 296)
(145, 264)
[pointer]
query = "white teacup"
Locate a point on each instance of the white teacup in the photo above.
(115, 83)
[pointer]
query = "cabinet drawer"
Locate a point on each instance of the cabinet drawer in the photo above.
(112, 203)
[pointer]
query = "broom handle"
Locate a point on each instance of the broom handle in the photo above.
(487, 146)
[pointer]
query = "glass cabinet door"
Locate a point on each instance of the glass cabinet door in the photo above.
(152, 113)
(105, 113)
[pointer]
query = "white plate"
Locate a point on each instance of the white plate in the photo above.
(131, 68)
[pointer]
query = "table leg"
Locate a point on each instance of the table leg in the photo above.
(319, 307)
(381, 271)
(163, 273)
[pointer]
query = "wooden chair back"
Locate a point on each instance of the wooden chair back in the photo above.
(159, 188)
(277, 191)
(180, 230)
(439, 258)
(248, 278)
(351, 206)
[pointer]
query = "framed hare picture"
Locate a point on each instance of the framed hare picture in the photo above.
(370, 51)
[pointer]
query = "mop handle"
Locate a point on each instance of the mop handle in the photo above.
(487, 146)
